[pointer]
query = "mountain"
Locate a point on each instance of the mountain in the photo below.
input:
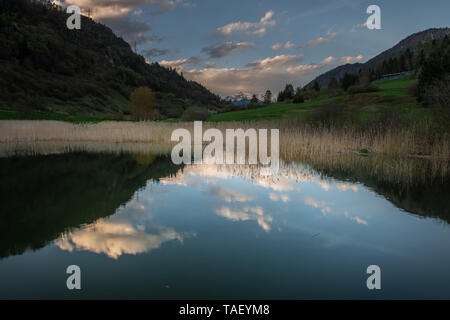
(412, 43)
(45, 66)
(242, 99)
(239, 99)
(96, 185)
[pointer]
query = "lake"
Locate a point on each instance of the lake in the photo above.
(139, 226)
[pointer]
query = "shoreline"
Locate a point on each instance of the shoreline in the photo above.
(295, 138)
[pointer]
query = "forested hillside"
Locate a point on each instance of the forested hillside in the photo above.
(402, 57)
(45, 66)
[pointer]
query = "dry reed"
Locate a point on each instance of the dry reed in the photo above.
(296, 139)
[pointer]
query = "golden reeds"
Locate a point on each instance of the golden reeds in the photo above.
(296, 139)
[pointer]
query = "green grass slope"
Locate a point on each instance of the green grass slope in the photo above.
(394, 101)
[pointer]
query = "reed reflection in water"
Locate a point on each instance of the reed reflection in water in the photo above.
(126, 212)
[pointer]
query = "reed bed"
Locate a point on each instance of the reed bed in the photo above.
(394, 153)
(403, 171)
(296, 139)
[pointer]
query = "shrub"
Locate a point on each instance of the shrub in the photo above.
(364, 150)
(330, 93)
(254, 105)
(437, 94)
(118, 116)
(310, 94)
(71, 119)
(299, 98)
(414, 89)
(195, 114)
(363, 89)
(327, 114)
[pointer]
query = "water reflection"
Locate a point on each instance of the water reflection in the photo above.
(44, 196)
(49, 197)
(199, 226)
(130, 231)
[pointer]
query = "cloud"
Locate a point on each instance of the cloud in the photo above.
(102, 9)
(310, 67)
(116, 238)
(250, 28)
(152, 53)
(270, 73)
(331, 34)
(117, 15)
(357, 26)
(347, 186)
(282, 197)
(276, 62)
(247, 213)
(356, 219)
(229, 195)
(322, 205)
(226, 49)
(324, 185)
(348, 59)
(208, 65)
(315, 42)
(181, 64)
(132, 31)
(279, 46)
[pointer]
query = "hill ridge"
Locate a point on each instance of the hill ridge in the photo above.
(410, 42)
(44, 66)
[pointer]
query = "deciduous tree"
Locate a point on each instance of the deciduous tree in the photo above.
(142, 103)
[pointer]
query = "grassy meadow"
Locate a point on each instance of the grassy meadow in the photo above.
(394, 101)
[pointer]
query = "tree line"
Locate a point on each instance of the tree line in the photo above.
(430, 64)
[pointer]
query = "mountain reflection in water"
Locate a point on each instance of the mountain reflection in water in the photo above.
(125, 205)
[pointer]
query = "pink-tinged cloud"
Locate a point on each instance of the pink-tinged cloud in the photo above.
(103, 9)
(348, 59)
(317, 41)
(279, 46)
(250, 28)
(258, 76)
(276, 62)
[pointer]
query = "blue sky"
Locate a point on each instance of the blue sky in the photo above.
(251, 46)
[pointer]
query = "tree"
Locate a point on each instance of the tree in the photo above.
(402, 63)
(280, 97)
(348, 80)
(409, 55)
(289, 92)
(420, 59)
(364, 77)
(254, 99)
(435, 69)
(286, 94)
(142, 102)
(298, 98)
(316, 86)
(333, 83)
(268, 97)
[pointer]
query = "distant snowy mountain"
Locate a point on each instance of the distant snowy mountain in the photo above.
(241, 98)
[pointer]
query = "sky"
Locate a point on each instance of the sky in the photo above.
(254, 45)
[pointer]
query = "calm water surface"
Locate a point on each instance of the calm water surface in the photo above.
(140, 227)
